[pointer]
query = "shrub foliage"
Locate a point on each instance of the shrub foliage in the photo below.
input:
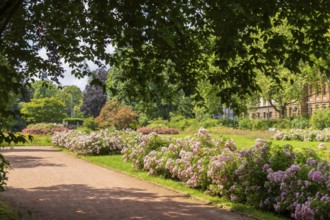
(113, 114)
(321, 119)
(43, 128)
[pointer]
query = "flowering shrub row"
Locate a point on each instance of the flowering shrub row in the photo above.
(303, 135)
(269, 177)
(96, 143)
(43, 128)
(147, 130)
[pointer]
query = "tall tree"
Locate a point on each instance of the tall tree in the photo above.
(44, 89)
(163, 95)
(44, 110)
(94, 94)
(71, 96)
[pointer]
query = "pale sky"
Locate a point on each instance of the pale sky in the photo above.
(70, 79)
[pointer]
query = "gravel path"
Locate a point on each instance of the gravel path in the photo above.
(52, 184)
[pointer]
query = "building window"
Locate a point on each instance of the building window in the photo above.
(270, 115)
(310, 91)
(258, 115)
(324, 90)
(265, 114)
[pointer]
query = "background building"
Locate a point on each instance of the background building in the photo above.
(314, 98)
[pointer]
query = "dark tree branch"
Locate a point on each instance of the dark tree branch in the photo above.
(7, 12)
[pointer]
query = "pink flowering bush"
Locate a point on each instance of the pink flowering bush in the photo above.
(145, 145)
(275, 178)
(303, 189)
(221, 172)
(185, 159)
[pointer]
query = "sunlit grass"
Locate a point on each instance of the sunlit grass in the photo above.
(38, 140)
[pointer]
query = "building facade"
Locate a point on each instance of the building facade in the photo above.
(317, 98)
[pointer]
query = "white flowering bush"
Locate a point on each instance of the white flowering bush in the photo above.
(96, 143)
(303, 135)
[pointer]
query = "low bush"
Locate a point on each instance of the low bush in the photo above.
(245, 123)
(146, 130)
(321, 119)
(43, 128)
(181, 122)
(300, 123)
(73, 122)
(90, 123)
(228, 122)
(265, 124)
(256, 124)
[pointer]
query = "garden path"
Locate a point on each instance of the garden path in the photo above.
(52, 184)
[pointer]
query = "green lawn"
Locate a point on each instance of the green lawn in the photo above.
(38, 140)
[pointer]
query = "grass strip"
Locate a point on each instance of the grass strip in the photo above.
(38, 140)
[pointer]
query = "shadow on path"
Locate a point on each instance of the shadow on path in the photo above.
(83, 202)
(30, 162)
(26, 149)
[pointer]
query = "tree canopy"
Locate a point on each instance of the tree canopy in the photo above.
(238, 34)
(44, 89)
(44, 110)
(153, 32)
